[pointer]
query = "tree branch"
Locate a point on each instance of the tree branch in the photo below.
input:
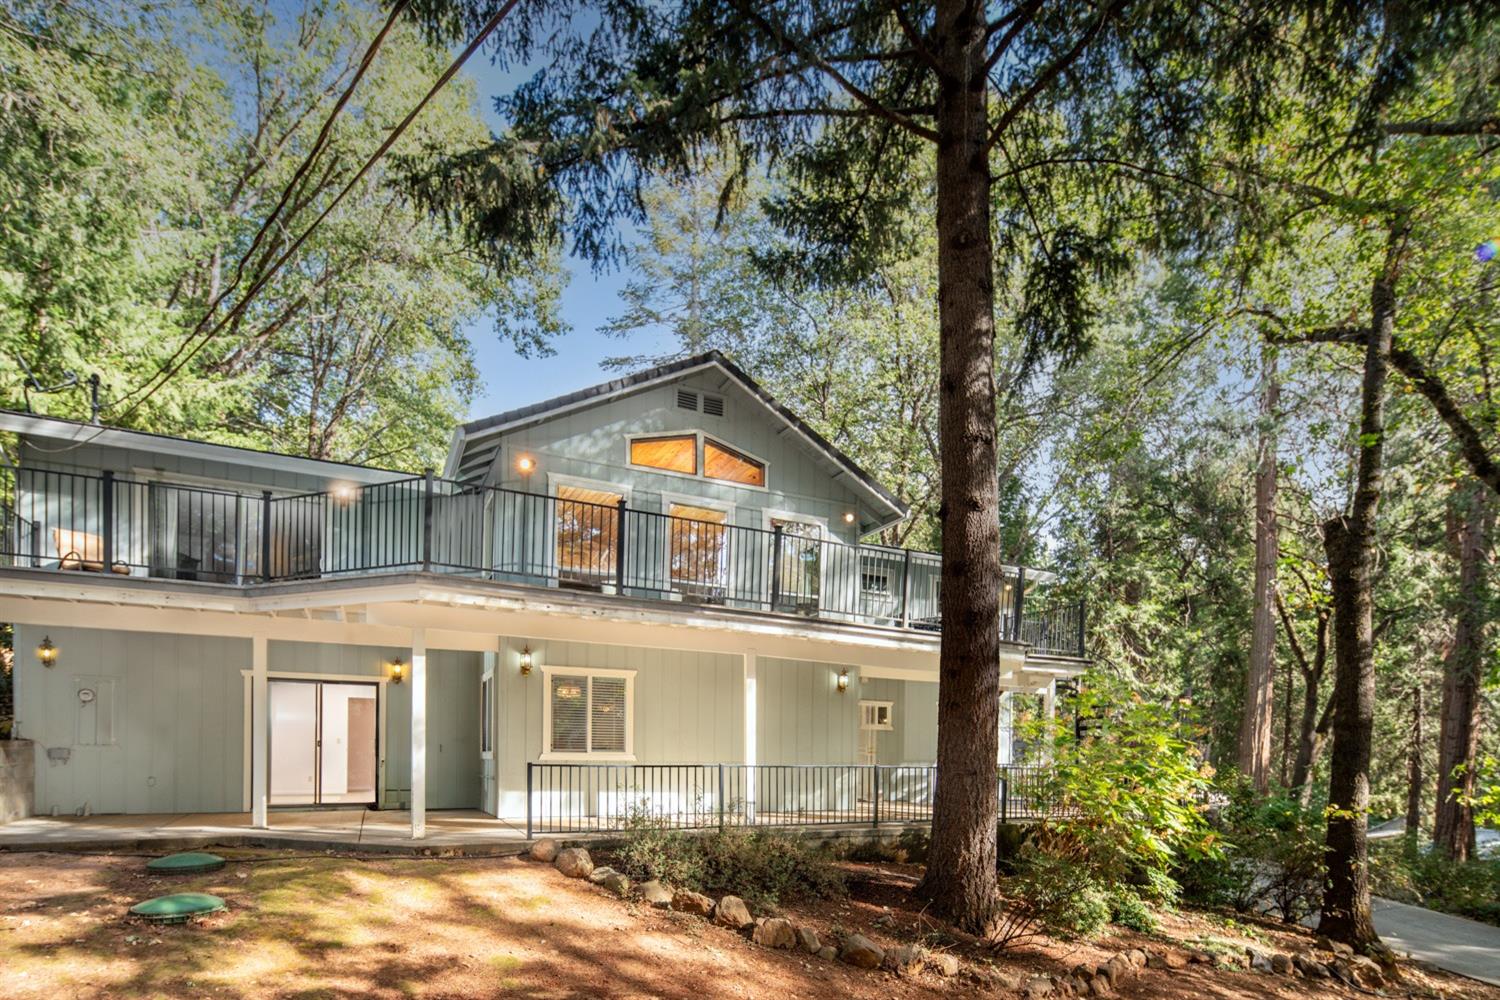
(1463, 126)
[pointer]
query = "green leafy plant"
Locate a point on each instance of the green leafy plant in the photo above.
(1129, 910)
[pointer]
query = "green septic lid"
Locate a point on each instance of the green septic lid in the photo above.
(177, 908)
(186, 863)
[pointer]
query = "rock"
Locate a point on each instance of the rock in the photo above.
(598, 875)
(695, 903)
(732, 912)
(1166, 960)
(574, 862)
(861, 952)
(774, 932)
(1339, 948)
(943, 963)
(1137, 958)
(1099, 987)
(1281, 964)
(1200, 958)
(905, 960)
(1118, 969)
(807, 940)
(1259, 961)
(1367, 972)
(616, 883)
(656, 894)
(544, 850)
(988, 975)
(1037, 987)
(828, 953)
(1311, 968)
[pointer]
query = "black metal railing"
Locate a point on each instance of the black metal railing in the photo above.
(609, 798)
(109, 524)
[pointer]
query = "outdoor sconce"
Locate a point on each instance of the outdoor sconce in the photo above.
(398, 671)
(849, 517)
(525, 465)
(46, 651)
(843, 680)
(525, 661)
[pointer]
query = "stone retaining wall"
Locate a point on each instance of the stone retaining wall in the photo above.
(17, 779)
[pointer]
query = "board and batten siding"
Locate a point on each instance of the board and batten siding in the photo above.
(179, 710)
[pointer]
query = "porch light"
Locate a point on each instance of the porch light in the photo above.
(342, 493)
(849, 517)
(843, 680)
(398, 671)
(525, 661)
(525, 465)
(46, 651)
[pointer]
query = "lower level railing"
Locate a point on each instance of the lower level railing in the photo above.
(604, 798)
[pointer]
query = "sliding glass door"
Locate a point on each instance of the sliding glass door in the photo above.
(323, 743)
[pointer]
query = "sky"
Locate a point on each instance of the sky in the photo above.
(589, 300)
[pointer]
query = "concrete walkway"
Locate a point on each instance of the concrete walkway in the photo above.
(460, 831)
(1464, 946)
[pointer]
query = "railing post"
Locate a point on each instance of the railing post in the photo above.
(906, 589)
(620, 548)
(721, 798)
(775, 567)
(426, 520)
(529, 766)
(1020, 600)
(1004, 796)
(107, 485)
(877, 795)
(265, 536)
(1082, 618)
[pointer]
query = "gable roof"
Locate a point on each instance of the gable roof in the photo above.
(476, 443)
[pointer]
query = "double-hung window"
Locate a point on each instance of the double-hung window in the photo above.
(588, 713)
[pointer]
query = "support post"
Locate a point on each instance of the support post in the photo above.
(259, 734)
(1049, 711)
(876, 822)
(265, 536)
(750, 733)
(775, 567)
(1083, 609)
(1004, 797)
(906, 589)
(620, 547)
(426, 520)
(107, 529)
(721, 798)
(529, 766)
(1019, 601)
(418, 733)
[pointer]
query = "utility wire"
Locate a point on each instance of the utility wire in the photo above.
(180, 360)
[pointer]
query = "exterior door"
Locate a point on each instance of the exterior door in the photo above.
(798, 572)
(324, 738)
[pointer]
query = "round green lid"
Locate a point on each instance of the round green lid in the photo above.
(186, 863)
(177, 908)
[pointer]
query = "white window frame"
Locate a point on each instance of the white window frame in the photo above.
(687, 499)
(548, 754)
(768, 515)
(556, 479)
(870, 591)
(487, 712)
(890, 715)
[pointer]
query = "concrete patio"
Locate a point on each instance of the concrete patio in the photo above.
(462, 831)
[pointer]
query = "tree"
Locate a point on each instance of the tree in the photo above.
(844, 96)
(1257, 723)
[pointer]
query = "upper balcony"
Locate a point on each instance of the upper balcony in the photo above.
(85, 523)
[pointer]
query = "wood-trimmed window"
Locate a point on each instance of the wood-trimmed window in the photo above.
(673, 453)
(587, 522)
(588, 713)
(722, 462)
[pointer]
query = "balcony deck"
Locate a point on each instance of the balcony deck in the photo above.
(163, 531)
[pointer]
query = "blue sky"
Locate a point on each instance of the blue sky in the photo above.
(590, 300)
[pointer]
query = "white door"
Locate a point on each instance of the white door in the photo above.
(323, 743)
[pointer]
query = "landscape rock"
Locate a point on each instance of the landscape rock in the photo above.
(943, 963)
(616, 883)
(861, 952)
(988, 975)
(599, 874)
(828, 953)
(1311, 968)
(1037, 987)
(1137, 958)
(906, 959)
(1166, 960)
(1118, 969)
(656, 894)
(1367, 972)
(807, 939)
(1281, 964)
(685, 901)
(732, 912)
(774, 932)
(574, 862)
(1259, 960)
(544, 850)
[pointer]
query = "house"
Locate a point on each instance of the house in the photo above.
(646, 595)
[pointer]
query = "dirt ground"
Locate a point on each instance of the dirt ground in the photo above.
(327, 926)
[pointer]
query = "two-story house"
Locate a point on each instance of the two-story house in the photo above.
(646, 595)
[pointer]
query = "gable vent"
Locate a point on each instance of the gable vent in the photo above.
(713, 406)
(687, 400)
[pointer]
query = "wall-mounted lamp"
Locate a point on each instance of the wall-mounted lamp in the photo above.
(342, 493)
(46, 651)
(843, 680)
(525, 661)
(849, 517)
(525, 465)
(398, 671)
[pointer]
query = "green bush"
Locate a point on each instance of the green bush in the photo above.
(763, 867)
(1128, 910)
(1050, 891)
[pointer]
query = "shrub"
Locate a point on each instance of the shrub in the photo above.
(763, 867)
(1129, 910)
(1050, 891)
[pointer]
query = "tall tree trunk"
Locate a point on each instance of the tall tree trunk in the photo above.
(1458, 727)
(1256, 722)
(1350, 542)
(1414, 771)
(961, 878)
(1315, 727)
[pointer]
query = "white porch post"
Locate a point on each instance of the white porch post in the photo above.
(418, 733)
(1049, 710)
(259, 724)
(750, 735)
(1006, 737)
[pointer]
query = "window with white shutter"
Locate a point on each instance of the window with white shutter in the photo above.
(588, 713)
